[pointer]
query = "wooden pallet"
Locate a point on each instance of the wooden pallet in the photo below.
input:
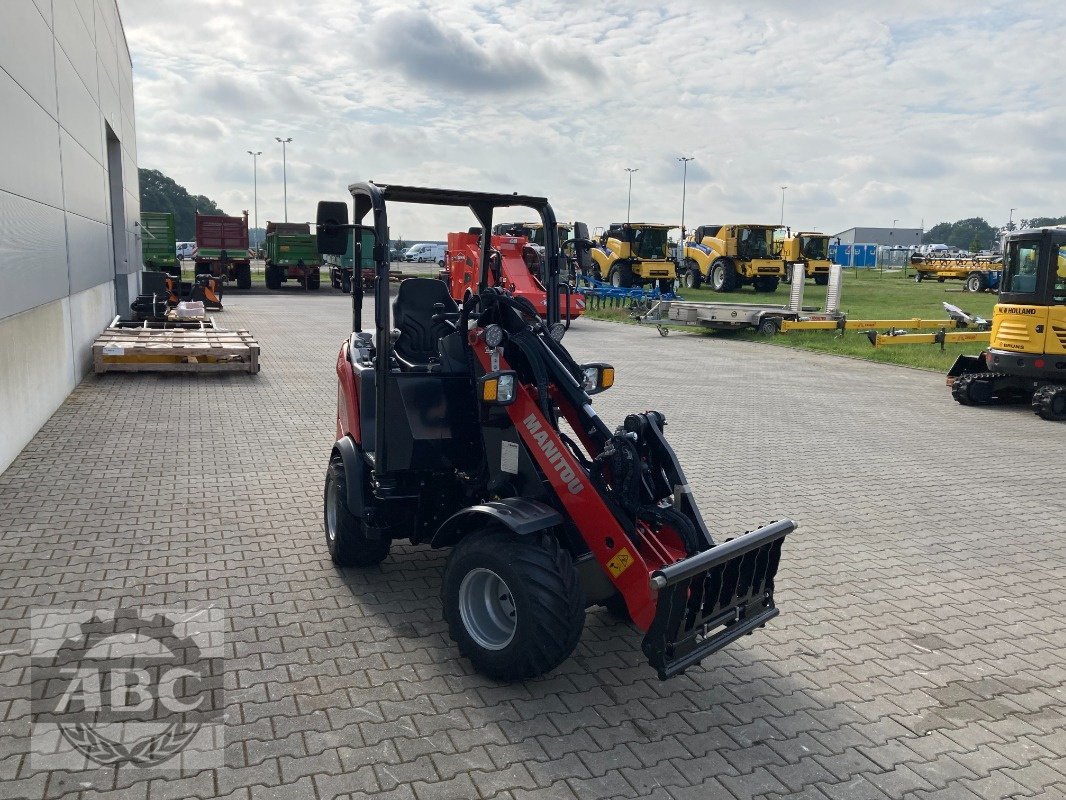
(180, 346)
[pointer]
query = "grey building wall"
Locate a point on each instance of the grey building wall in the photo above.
(893, 237)
(69, 208)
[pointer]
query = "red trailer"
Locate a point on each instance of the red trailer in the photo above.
(517, 265)
(222, 248)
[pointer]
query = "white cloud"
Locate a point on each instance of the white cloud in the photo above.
(909, 110)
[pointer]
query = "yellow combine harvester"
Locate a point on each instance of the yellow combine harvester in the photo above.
(1026, 358)
(731, 256)
(810, 249)
(635, 253)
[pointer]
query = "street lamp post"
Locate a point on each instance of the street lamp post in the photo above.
(1010, 220)
(684, 184)
(783, 204)
(255, 191)
(629, 201)
(284, 175)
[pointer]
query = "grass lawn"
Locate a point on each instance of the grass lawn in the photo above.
(868, 295)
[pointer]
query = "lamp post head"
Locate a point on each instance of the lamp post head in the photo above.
(283, 141)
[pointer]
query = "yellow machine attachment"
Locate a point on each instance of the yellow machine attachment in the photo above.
(845, 324)
(635, 254)
(810, 249)
(941, 337)
(1026, 357)
(731, 256)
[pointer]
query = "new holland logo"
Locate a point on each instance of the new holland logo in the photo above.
(554, 455)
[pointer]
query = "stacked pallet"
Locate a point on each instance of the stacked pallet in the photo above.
(174, 346)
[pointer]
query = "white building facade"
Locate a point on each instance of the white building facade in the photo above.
(69, 208)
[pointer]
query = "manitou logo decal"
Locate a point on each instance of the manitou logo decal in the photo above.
(553, 454)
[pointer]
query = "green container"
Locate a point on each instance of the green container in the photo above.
(290, 244)
(158, 242)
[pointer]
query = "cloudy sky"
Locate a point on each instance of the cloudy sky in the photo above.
(903, 110)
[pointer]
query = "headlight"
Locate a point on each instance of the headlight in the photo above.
(557, 331)
(493, 335)
(498, 388)
(598, 377)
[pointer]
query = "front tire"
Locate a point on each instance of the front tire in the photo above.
(244, 276)
(765, 284)
(723, 275)
(621, 276)
(693, 276)
(513, 604)
(821, 279)
(346, 537)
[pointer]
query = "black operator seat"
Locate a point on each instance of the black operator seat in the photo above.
(416, 347)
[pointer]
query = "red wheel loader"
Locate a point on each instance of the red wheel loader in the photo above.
(452, 431)
(516, 264)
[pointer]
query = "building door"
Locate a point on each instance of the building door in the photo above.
(118, 223)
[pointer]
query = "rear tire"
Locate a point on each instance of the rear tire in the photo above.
(272, 276)
(976, 282)
(244, 276)
(513, 604)
(314, 280)
(346, 537)
(666, 285)
(693, 277)
(821, 280)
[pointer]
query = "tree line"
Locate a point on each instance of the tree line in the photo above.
(162, 193)
(977, 234)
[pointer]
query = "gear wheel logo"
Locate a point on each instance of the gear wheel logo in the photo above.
(125, 688)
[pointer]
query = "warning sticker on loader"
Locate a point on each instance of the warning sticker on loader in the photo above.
(509, 457)
(620, 563)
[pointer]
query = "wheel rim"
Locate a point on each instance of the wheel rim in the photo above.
(719, 277)
(331, 510)
(487, 609)
(616, 279)
(690, 280)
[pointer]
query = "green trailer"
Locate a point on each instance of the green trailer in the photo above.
(340, 267)
(291, 253)
(158, 243)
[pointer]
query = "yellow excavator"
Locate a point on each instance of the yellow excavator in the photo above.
(1026, 357)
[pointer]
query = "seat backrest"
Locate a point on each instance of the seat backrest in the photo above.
(413, 316)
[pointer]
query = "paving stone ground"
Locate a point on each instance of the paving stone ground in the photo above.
(920, 651)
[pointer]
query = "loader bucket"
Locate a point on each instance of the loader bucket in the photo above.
(713, 598)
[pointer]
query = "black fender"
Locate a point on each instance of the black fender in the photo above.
(354, 472)
(517, 514)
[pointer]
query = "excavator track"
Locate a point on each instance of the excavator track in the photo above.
(1049, 402)
(983, 389)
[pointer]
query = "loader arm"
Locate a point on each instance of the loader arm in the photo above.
(690, 596)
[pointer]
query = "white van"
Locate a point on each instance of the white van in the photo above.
(185, 250)
(423, 253)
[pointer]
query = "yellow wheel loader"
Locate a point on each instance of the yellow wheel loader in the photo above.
(731, 256)
(810, 249)
(634, 254)
(1026, 357)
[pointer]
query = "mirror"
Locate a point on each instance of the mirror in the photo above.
(331, 226)
(582, 247)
